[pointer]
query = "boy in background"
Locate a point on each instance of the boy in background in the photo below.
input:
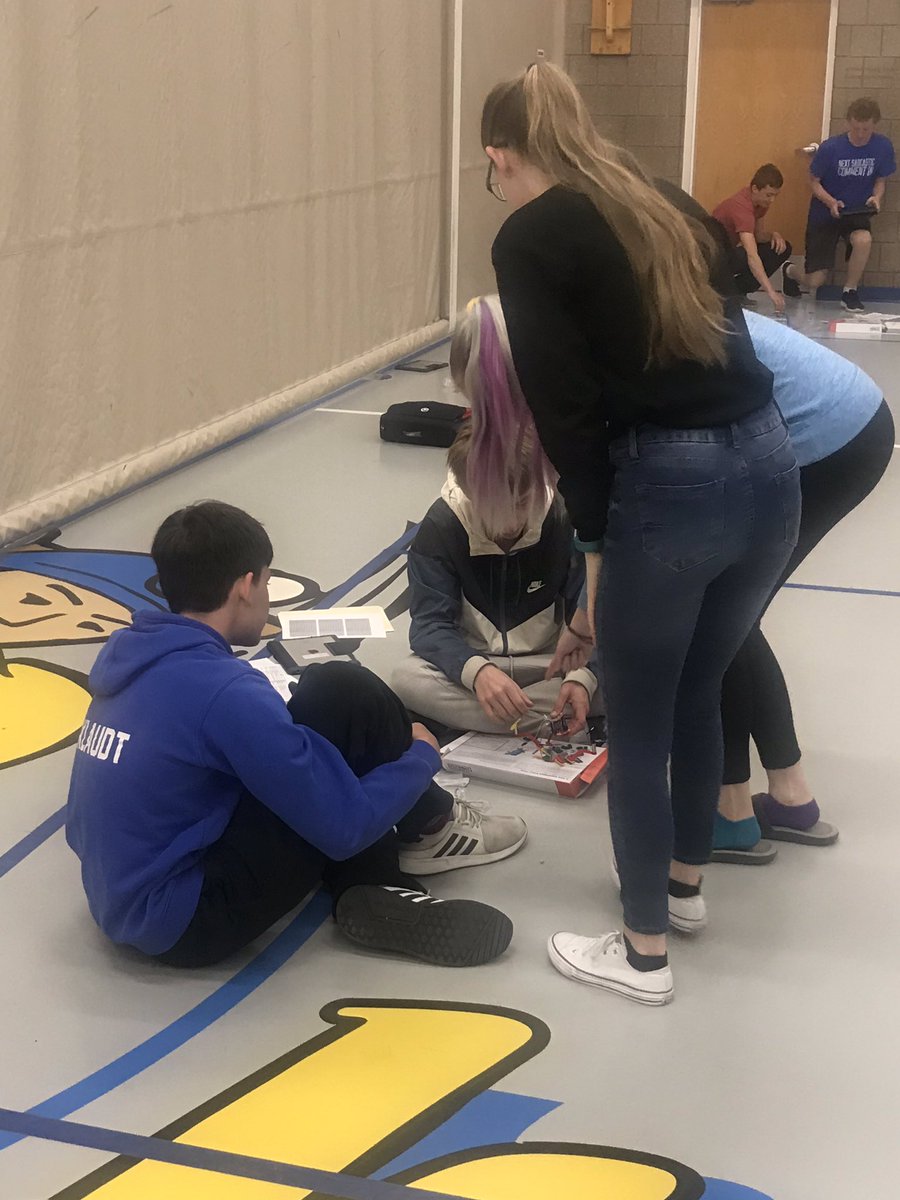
(756, 255)
(848, 176)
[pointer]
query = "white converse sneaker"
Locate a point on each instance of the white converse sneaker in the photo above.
(686, 915)
(602, 962)
(471, 837)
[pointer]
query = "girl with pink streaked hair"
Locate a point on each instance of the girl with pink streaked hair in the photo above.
(493, 573)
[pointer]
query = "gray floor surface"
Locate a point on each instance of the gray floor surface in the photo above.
(778, 1065)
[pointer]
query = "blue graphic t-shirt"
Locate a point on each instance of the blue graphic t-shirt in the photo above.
(849, 172)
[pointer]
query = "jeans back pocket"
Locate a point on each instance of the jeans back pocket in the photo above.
(682, 525)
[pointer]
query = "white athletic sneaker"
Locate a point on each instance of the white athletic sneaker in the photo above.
(471, 837)
(686, 915)
(602, 962)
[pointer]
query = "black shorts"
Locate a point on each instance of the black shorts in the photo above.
(822, 240)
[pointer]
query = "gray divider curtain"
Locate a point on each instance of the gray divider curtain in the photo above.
(210, 211)
(214, 210)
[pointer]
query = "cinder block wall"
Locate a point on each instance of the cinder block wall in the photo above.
(637, 101)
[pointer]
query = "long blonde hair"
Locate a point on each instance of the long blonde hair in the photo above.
(541, 116)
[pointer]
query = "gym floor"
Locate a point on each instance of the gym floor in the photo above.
(776, 1069)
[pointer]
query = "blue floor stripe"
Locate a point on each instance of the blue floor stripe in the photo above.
(375, 564)
(222, 1000)
(264, 1170)
(14, 855)
(134, 1145)
(890, 295)
(851, 591)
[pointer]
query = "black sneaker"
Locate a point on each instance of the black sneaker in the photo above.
(851, 301)
(789, 286)
(448, 933)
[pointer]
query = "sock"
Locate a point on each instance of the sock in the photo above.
(790, 816)
(644, 962)
(436, 825)
(736, 835)
(683, 891)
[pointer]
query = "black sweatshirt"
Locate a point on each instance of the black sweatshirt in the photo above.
(578, 335)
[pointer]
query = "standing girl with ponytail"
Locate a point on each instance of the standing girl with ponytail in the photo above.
(676, 468)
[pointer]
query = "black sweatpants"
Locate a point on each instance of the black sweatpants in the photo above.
(744, 279)
(260, 868)
(755, 700)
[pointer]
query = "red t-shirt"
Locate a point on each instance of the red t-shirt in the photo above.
(739, 215)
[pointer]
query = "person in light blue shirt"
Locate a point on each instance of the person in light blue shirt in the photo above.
(826, 399)
(843, 437)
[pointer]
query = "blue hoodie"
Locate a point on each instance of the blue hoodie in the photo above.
(177, 729)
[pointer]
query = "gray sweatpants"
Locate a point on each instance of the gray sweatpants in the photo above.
(427, 691)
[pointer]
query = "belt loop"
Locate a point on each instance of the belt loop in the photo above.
(735, 434)
(632, 442)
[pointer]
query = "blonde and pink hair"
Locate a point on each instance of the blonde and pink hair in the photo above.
(498, 460)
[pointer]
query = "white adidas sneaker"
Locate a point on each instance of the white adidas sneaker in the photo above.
(471, 837)
(687, 915)
(602, 962)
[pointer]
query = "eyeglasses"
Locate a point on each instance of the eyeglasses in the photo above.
(490, 183)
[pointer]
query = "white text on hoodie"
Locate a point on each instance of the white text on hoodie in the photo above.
(96, 740)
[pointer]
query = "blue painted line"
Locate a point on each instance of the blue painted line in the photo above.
(489, 1118)
(833, 292)
(721, 1189)
(14, 855)
(824, 587)
(134, 1145)
(264, 1170)
(375, 564)
(220, 1002)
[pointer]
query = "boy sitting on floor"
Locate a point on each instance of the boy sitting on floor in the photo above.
(203, 809)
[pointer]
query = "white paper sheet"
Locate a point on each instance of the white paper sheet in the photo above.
(362, 622)
(276, 675)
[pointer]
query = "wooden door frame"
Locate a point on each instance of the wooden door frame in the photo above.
(693, 87)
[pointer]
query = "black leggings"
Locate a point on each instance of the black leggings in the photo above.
(260, 868)
(755, 701)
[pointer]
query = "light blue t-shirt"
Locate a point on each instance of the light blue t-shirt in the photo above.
(825, 399)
